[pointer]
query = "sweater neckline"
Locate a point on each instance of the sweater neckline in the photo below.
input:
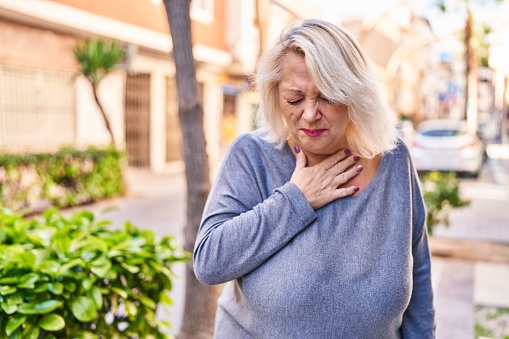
(368, 188)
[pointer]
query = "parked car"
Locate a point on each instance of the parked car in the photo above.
(446, 145)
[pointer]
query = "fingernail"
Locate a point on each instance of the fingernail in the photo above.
(358, 168)
(355, 189)
(356, 158)
(297, 149)
(347, 152)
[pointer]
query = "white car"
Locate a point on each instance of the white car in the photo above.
(446, 145)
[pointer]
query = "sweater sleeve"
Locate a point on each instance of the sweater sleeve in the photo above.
(242, 226)
(419, 318)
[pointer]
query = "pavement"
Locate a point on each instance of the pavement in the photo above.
(158, 202)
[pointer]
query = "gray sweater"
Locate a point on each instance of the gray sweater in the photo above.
(358, 267)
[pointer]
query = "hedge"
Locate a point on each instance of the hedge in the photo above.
(74, 277)
(32, 182)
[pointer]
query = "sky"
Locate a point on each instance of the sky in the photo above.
(442, 23)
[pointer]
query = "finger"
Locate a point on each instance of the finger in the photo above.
(343, 177)
(344, 164)
(335, 158)
(346, 191)
(301, 158)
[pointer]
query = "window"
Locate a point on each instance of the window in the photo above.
(36, 109)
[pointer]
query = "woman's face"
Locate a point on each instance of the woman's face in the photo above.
(316, 124)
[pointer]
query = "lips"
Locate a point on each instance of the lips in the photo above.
(313, 132)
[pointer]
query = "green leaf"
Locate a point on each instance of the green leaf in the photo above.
(148, 302)
(9, 281)
(41, 287)
(52, 322)
(84, 309)
(97, 243)
(66, 267)
(15, 299)
(62, 242)
(6, 290)
(31, 331)
(69, 286)
(49, 267)
(56, 288)
(84, 335)
(13, 323)
(100, 267)
(114, 253)
(96, 295)
(131, 309)
(9, 309)
(39, 308)
(165, 298)
(28, 280)
(132, 269)
(88, 283)
(120, 292)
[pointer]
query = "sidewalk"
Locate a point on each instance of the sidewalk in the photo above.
(157, 201)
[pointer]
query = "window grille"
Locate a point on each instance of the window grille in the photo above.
(37, 111)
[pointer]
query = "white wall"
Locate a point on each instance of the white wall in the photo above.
(90, 126)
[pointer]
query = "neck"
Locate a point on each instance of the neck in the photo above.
(312, 158)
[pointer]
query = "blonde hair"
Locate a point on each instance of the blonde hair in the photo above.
(341, 72)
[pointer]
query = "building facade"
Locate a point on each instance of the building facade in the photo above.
(45, 105)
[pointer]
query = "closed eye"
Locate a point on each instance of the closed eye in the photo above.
(327, 101)
(294, 102)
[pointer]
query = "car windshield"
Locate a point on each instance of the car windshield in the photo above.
(441, 133)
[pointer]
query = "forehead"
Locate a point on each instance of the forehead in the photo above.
(295, 76)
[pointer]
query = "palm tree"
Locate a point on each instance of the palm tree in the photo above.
(97, 59)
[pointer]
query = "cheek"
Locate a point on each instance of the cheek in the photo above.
(289, 114)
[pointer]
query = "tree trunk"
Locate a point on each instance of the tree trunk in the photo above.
(103, 113)
(200, 300)
(471, 75)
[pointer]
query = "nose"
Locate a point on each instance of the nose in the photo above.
(311, 112)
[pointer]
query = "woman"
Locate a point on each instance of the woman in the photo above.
(316, 220)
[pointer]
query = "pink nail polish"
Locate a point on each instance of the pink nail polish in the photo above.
(347, 151)
(297, 149)
(358, 168)
(356, 189)
(356, 158)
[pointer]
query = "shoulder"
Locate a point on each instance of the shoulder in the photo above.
(400, 151)
(398, 162)
(252, 144)
(250, 139)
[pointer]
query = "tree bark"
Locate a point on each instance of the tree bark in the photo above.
(470, 72)
(200, 300)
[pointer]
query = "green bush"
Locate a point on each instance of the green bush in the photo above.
(72, 277)
(441, 193)
(29, 182)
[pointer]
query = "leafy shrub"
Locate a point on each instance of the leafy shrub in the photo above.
(62, 179)
(441, 193)
(72, 277)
